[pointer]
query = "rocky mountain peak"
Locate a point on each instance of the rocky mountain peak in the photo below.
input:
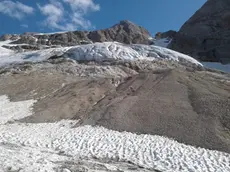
(126, 22)
(125, 32)
(131, 28)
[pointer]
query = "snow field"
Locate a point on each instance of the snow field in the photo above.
(153, 152)
(39, 147)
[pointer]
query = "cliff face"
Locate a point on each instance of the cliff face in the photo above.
(206, 35)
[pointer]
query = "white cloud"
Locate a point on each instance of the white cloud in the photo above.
(15, 9)
(59, 18)
(54, 13)
(24, 25)
(83, 6)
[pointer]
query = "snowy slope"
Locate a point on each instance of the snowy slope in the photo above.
(8, 56)
(47, 146)
(164, 42)
(100, 52)
(5, 51)
(156, 52)
(32, 56)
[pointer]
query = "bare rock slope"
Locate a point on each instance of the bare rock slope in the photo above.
(179, 102)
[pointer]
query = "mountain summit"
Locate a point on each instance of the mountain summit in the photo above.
(125, 32)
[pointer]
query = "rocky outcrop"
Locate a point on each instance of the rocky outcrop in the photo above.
(9, 37)
(124, 32)
(23, 48)
(206, 35)
(168, 34)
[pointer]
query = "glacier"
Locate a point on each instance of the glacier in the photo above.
(100, 52)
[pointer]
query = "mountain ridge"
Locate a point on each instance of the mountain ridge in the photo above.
(124, 32)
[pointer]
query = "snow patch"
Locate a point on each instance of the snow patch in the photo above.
(51, 33)
(10, 111)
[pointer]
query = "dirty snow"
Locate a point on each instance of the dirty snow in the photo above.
(46, 146)
(101, 52)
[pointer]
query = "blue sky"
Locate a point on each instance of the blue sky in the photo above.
(19, 16)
